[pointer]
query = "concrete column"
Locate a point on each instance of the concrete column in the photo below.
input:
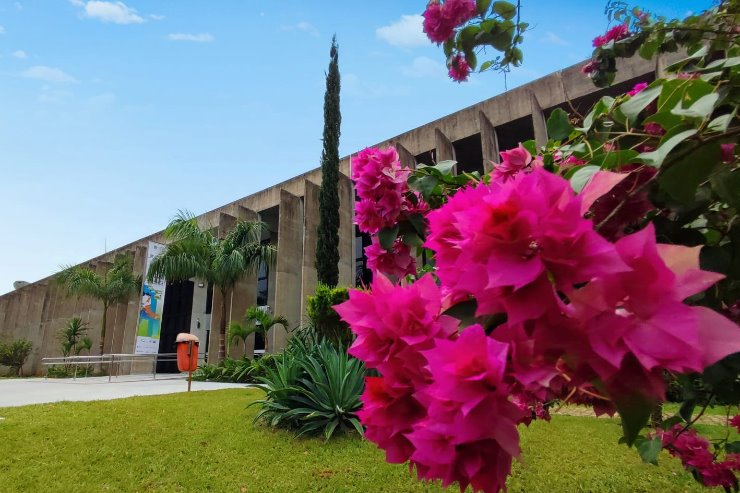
(489, 142)
(3, 311)
(244, 294)
(444, 148)
(311, 218)
(346, 232)
(288, 269)
(22, 313)
(226, 223)
(407, 159)
(33, 327)
(538, 122)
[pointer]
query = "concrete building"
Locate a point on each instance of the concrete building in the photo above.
(472, 136)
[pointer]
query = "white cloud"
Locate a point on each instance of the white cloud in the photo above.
(196, 38)
(423, 66)
(405, 32)
(102, 101)
(53, 96)
(2, 30)
(302, 26)
(156, 17)
(20, 54)
(18, 5)
(554, 39)
(48, 74)
(115, 12)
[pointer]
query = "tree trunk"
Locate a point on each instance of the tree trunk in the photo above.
(222, 330)
(656, 417)
(102, 329)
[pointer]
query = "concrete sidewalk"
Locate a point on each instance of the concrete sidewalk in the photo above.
(24, 391)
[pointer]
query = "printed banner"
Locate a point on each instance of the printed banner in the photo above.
(151, 307)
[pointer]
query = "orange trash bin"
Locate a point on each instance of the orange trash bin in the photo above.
(187, 354)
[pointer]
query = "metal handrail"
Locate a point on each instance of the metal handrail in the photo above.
(107, 359)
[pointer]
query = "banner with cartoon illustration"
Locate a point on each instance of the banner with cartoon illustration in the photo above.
(151, 307)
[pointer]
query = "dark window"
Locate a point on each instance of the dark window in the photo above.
(209, 298)
(363, 275)
(263, 277)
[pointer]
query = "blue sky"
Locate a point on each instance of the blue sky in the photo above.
(114, 115)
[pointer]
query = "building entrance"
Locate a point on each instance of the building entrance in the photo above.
(178, 307)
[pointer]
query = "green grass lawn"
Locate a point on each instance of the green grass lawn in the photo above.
(205, 441)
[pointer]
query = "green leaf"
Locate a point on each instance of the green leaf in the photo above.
(482, 6)
(732, 447)
(669, 141)
(505, 9)
(581, 177)
(635, 412)
(671, 422)
(683, 178)
(682, 91)
(632, 107)
(486, 65)
(614, 159)
(649, 450)
(726, 184)
(423, 183)
(558, 125)
(601, 107)
(701, 108)
(720, 123)
(445, 167)
(387, 236)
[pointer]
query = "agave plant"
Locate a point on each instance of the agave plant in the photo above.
(313, 390)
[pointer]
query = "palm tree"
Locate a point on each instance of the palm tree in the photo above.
(240, 332)
(115, 285)
(73, 337)
(195, 252)
(263, 321)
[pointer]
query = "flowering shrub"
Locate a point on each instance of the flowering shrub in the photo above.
(585, 270)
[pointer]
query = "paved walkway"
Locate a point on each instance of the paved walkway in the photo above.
(23, 391)
(582, 411)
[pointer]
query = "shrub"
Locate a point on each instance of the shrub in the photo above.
(234, 370)
(14, 354)
(324, 320)
(313, 390)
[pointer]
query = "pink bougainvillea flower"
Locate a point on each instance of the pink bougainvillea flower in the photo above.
(436, 25)
(512, 162)
(735, 421)
(728, 152)
(397, 263)
(388, 414)
(441, 19)
(459, 11)
(394, 323)
(589, 68)
(616, 33)
(639, 87)
(653, 128)
(598, 185)
(459, 69)
(636, 204)
(510, 235)
(469, 435)
(637, 324)
(695, 455)
(380, 183)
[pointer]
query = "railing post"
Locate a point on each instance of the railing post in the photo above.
(154, 367)
(74, 377)
(110, 367)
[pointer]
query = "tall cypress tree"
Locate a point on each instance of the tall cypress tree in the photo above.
(327, 249)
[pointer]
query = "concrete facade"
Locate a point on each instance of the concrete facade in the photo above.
(37, 311)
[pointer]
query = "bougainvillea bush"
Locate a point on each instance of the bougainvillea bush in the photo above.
(591, 270)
